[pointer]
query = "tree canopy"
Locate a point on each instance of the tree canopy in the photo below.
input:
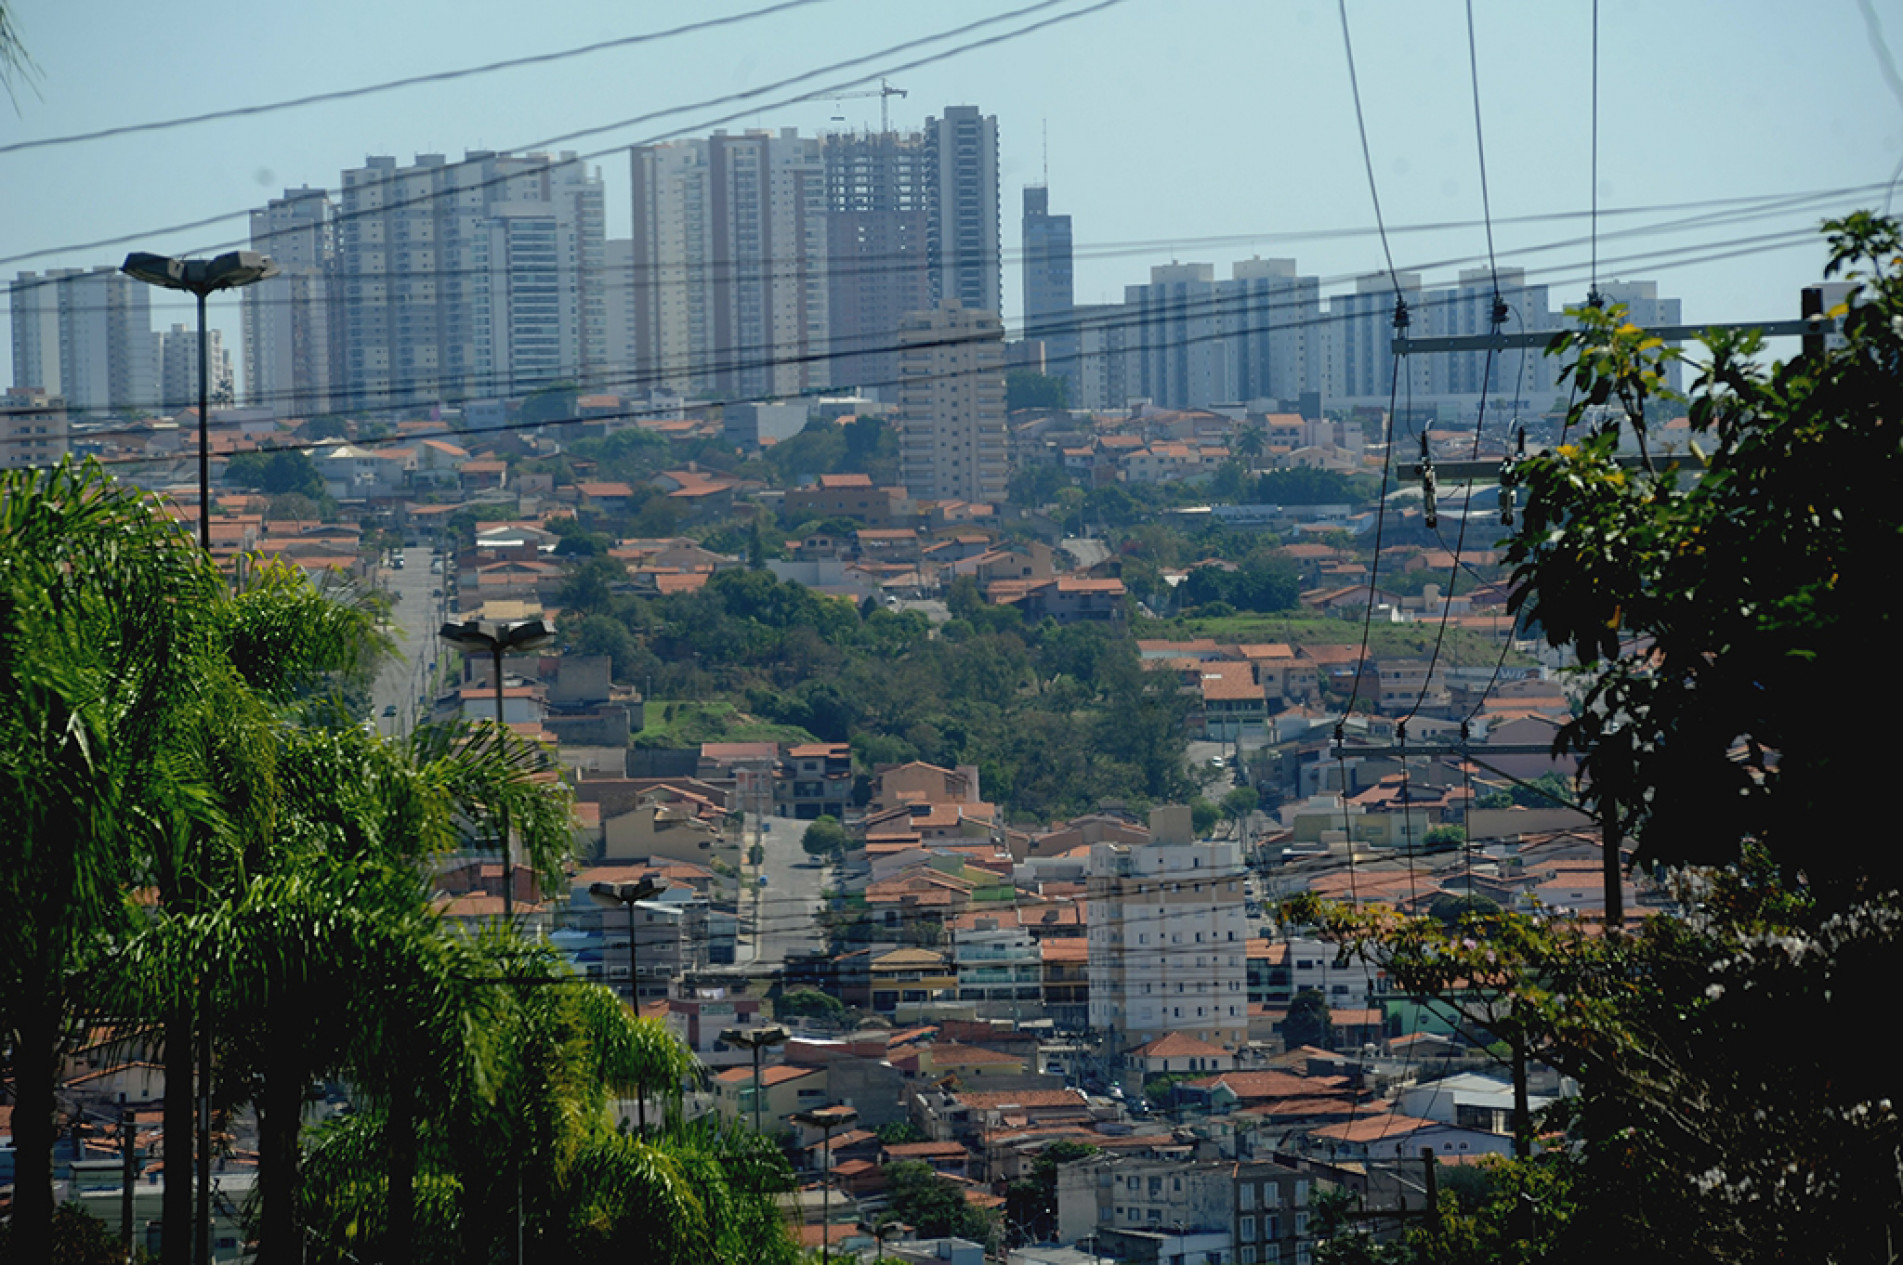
(1722, 613)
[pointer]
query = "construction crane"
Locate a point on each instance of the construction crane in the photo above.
(884, 92)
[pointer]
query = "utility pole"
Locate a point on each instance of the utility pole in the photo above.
(128, 1149)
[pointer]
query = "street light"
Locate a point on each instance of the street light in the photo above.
(608, 895)
(826, 1119)
(518, 636)
(200, 277)
(756, 1039)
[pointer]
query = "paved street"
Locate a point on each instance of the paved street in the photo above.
(413, 623)
(791, 895)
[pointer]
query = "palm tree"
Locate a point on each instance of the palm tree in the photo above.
(100, 649)
(519, 1138)
(1250, 443)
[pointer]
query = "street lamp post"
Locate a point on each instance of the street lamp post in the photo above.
(628, 895)
(826, 1119)
(756, 1039)
(518, 636)
(200, 277)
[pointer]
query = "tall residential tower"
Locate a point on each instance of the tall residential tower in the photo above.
(952, 442)
(1049, 297)
(962, 214)
(729, 268)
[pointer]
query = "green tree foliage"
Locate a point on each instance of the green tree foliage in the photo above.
(810, 1003)
(1309, 1021)
(1239, 801)
(1303, 485)
(1704, 1129)
(552, 403)
(1027, 388)
(78, 1238)
(1718, 615)
(1266, 580)
(1056, 719)
(934, 1207)
(1203, 816)
(163, 730)
(287, 470)
(825, 837)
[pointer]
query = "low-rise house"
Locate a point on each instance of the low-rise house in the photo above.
(1249, 1213)
(1391, 1136)
(783, 1090)
(815, 779)
(1179, 1052)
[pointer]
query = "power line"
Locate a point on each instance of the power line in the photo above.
(767, 356)
(1367, 155)
(748, 94)
(440, 76)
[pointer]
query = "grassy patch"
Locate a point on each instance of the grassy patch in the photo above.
(677, 723)
(1463, 647)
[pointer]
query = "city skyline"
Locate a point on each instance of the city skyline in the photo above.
(1090, 102)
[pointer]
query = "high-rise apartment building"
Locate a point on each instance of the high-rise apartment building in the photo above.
(1049, 293)
(1271, 318)
(1168, 939)
(952, 441)
(292, 323)
(1104, 377)
(729, 268)
(471, 280)
(33, 430)
(877, 190)
(963, 236)
(1361, 337)
(1512, 379)
(1195, 341)
(1174, 340)
(178, 370)
(87, 336)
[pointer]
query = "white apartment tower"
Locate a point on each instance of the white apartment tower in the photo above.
(1168, 940)
(952, 440)
(178, 370)
(1195, 341)
(33, 429)
(87, 336)
(471, 280)
(963, 235)
(292, 323)
(1514, 380)
(728, 275)
(1361, 337)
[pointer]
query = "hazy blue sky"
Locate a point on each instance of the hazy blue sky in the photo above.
(1196, 130)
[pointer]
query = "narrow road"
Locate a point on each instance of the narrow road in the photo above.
(791, 897)
(414, 619)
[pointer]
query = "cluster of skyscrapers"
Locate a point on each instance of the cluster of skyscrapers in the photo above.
(85, 336)
(760, 265)
(1187, 340)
